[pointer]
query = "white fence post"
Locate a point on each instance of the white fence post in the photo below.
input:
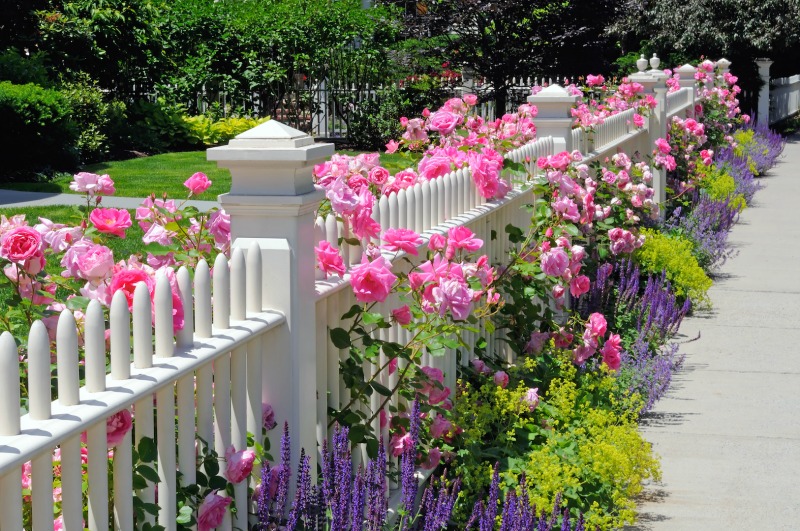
(273, 200)
(554, 118)
(763, 94)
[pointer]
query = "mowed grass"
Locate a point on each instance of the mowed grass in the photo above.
(166, 173)
(71, 215)
(142, 176)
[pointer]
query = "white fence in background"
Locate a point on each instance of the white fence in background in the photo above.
(256, 331)
(784, 95)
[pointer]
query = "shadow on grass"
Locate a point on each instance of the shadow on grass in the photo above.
(48, 188)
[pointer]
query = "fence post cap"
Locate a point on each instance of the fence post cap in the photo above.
(724, 64)
(685, 70)
(271, 159)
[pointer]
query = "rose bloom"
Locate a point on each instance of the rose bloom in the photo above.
(372, 281)
(268, 416)
(117, 426)
(532, 398)
(127, 279)
(440, 426)
(402, 240)
(20, 243)
(92, 184)
(554, 262)
(111, 220)
(240, 464)
(378, 175)
(470, 99)
(211, 511)
(596, 324)
(579, 285)
(462, 238)
(444, 121)
(96, 263)
(501, 379)
(197, 183)
(434, 456)
(328, 259)
(402, 315)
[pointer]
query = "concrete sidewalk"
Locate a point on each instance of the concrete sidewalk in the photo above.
(729, 430)
(14, 199)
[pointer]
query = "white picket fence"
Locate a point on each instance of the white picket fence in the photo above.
(247, 334)
(784, 95)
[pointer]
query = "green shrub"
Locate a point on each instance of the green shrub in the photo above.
(204, 131)
(673, 253)
(155, 127)
(37, 134)
(23, 70)
(375, 122)
(94, 116)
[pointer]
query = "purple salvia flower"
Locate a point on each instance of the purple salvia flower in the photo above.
(285, 474)
(487, 518)
(476, 516)
(408, 479)
(565, 525)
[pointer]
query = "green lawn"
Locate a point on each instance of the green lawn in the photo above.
(142, 176)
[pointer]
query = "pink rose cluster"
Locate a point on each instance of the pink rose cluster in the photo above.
(628, 95)
(594, 332)
(444, 283)
(564, 262)
(92, 184)
(624, 241)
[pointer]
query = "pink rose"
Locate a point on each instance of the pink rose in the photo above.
(240, 464)
(595, 81)
(96, 264)
(267, 417)
(434, 457)
(372, 281)
(125, 280)
(437, 242)
(532, 398)
(328, 259)
(470, 99)
(536, 343)
(596, 325)
(378, 175)
(582, 353)
(462, 238)
(663, 146)
(197, 183)
(402, 240)
(453, 294)
(398, 443)
(211, 511)
(20, 244)
(444, 121)
(440, 426)
(402, 315)
(392, 146)
(501, 379)
(638, 120)
(111, 220)
(369, 160)
(480, 366)
(579, 285)
(554, 262)
(610, 351)
(433, 167)
(92, 184)
(219, 226)
(117, 426)
(437, 395)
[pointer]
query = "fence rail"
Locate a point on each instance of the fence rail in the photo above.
(784, 98)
